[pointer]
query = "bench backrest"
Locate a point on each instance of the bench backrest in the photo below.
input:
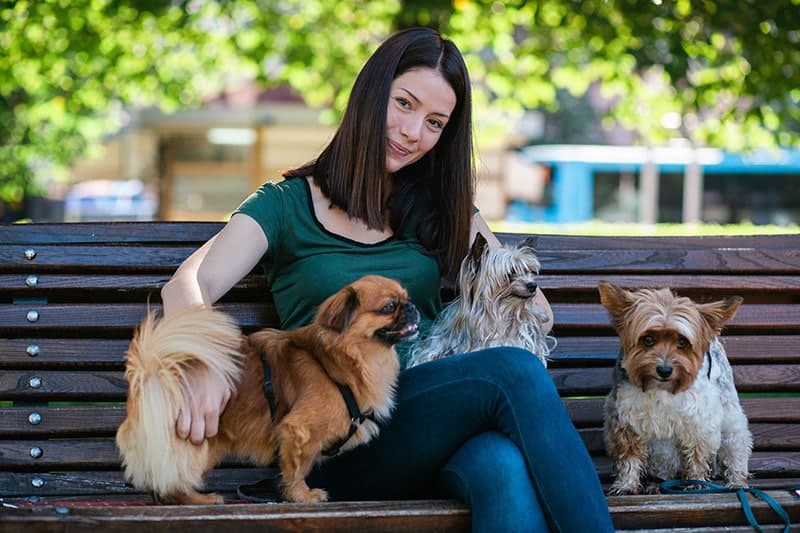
(71, 294)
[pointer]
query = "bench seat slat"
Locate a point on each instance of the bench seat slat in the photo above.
(66, 285)
(81, 258)
(100, 385)
(152, 258)
(110, 318)
(748, 378)
(59, 421)
(561, 286)
(109, 482)
(739, 348)
(570, 351)
(108, 232)
(666, 511)
(66, 453)
(588, 412)
(569, 317)
(766, 438)
(104, 419)
(767, 464)
(600, 242)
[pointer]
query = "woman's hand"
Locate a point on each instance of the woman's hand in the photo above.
(202, 279)
(198, 418)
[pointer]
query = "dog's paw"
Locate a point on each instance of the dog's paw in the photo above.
(737, 482)
(621, 488)
(303, 494)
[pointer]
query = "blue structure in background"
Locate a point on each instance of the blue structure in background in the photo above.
(573, 169)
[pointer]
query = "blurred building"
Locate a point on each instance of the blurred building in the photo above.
(198, 164)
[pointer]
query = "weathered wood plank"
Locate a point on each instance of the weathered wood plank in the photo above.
(101, 483)
(108, 232)
(54, 353)
(91, 420)
(557, 286)
(588, 412)
(102, 385)
(80, 258)
(748, 378)
(422, 516)
(119, 319)
(600, 242)
(570, 318)
(153, 258)
(65, 285)
(741, 349)
(666, 511)
(768, 460)
(60, 421)
(47, 385)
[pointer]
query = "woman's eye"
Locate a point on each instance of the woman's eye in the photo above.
(389, 308)
(648, 341)
(402, 102)
(437, 124)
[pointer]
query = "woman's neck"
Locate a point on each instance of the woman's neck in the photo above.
(337, 221)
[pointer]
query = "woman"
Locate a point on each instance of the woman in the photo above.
(392, 194)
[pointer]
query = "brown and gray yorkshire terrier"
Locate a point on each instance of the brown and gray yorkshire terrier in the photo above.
(494, 306)
(673, 410)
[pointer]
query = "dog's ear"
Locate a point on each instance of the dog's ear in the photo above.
(337, 311)
(479, 245)
(616, 300)
(529, 243)
(718, 313)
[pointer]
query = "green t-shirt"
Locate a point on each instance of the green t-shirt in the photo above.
(305, 263)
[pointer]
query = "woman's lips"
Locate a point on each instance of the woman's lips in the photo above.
(397, 150)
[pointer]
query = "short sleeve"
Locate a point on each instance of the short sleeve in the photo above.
(267, 206)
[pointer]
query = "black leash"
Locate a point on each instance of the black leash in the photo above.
(356, 416)
(682, 486)
(267, 490)
(269, 391)
(356, 419)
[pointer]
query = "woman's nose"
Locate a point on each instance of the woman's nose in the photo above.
(411, 127)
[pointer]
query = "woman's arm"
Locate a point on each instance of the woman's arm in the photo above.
(479, 226)
(202, 279)
(206, 275)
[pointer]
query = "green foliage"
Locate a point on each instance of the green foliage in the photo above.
(70, 68)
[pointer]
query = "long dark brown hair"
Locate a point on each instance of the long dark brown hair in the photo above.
(437, 191)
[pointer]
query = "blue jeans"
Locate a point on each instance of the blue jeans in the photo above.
(487, 428)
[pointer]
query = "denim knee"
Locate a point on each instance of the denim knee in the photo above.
(512, 368)
(489, 473)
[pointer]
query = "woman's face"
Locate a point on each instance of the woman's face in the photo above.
(420, 104)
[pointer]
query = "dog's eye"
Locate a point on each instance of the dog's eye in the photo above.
(648, 341)
(683, 342)
(389, 308)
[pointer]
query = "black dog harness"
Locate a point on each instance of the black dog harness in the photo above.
(356, 416)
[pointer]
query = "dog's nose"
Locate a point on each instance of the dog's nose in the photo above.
(531, 285)
(664, 371)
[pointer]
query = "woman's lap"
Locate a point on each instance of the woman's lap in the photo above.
(443, 405)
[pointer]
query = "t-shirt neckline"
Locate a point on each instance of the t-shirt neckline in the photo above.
(312, 211)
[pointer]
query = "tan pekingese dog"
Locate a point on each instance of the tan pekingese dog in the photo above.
(349, 346)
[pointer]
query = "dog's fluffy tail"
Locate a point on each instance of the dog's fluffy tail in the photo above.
(159, 356)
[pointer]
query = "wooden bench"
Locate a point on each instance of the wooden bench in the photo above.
(71, 294)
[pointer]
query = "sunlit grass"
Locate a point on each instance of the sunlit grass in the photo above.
(641, 230)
